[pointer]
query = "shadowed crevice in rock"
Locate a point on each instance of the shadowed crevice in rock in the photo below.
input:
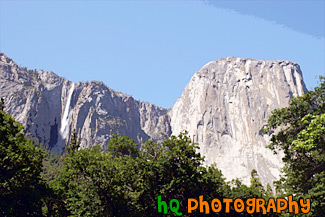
(53, 135)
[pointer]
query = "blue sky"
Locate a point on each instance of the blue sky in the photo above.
(150, 49)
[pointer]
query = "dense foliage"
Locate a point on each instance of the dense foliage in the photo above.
(122, 181)
(22, 189)
(126, 180)
(302, 138)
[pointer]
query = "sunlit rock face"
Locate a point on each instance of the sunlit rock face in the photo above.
(224, 107)
(50, 107)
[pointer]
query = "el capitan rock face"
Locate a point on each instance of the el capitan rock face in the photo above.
(223, 108)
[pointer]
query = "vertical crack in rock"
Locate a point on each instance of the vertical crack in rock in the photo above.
(53, 134)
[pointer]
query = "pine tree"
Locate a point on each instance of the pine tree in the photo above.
(2, 104)
(74, 144)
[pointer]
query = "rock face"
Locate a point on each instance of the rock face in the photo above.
(50, 107)
(226, 104)
(223, 108)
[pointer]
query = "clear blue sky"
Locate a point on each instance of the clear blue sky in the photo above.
(150, 49)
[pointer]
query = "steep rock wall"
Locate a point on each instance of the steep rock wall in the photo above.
(224, 107)
(50, 107)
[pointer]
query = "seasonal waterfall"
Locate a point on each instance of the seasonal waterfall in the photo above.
(65, 118)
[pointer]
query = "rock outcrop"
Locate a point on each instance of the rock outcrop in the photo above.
(223, 107)
(226, 104)
(50, 107)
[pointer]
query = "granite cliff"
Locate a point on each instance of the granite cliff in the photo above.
(226, 104)
(223, 107)
(50, 107)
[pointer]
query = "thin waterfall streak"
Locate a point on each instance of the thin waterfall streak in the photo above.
(65, 118)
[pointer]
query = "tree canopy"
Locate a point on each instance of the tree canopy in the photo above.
(301, 135)
(22, 189)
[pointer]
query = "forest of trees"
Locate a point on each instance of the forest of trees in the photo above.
(127, 179)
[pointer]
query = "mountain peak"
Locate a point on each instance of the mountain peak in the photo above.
(6, 60)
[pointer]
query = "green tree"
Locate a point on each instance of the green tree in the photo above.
(52, 165)
(23, 191)
(172, 169)
(73, 144)
(52, 162)
(301, 136)
(125, 181)
(2, 104)
(98, 183)
(256, 185)
(88, 183)
(269, 191)
(122, 146)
